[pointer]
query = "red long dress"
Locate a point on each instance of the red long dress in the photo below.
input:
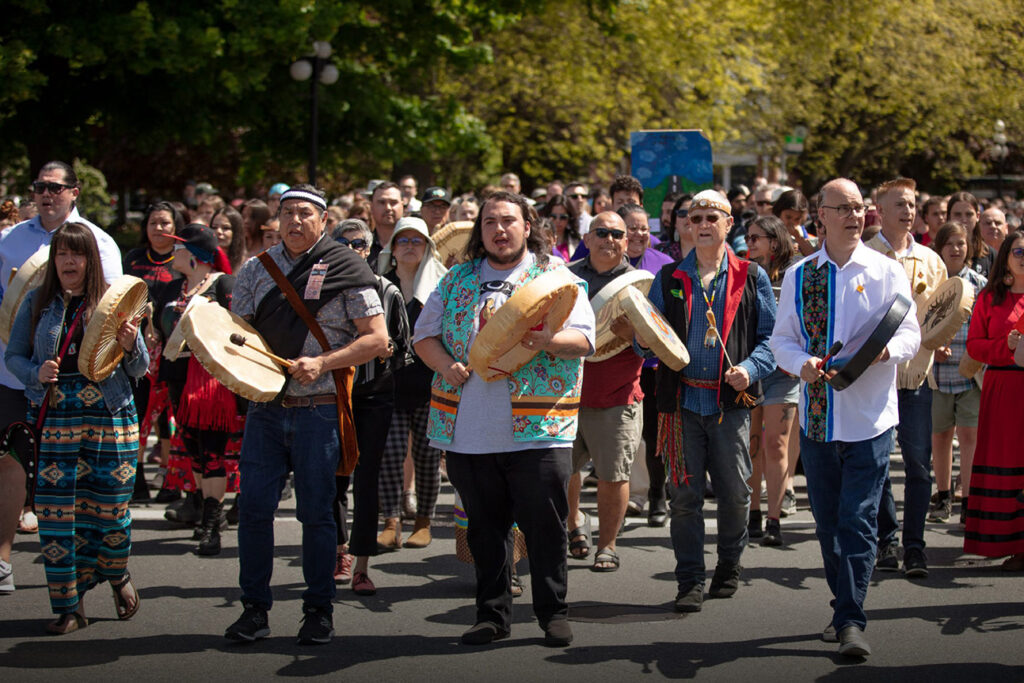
(995, 520)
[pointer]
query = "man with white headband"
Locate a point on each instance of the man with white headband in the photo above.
(309, 425)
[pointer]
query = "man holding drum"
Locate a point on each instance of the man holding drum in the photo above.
(723, 308)
(845, 437)
(925, 272)
(508, 440)
(300, 430)
(611, 415)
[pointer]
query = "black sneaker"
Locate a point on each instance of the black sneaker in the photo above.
(317, 626)
(942, 508)
(252, 625)
(726, 581)
(915, 566)
(754, 529)
(888, 558)
(690, 598)
(772, 533)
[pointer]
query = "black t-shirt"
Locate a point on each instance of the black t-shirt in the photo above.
(69, 361)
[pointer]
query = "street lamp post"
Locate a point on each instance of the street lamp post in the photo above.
(318, 69)
(999, 152)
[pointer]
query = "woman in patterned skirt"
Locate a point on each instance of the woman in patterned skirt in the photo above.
(90, 436)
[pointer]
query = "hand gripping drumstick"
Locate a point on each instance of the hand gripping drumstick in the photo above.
(239, 340)
(836, 348)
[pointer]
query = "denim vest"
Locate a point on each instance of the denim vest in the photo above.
(545, 392)
(24, 356)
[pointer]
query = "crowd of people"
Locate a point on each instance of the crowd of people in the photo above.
(377, 326)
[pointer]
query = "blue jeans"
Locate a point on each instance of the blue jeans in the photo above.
(844, 482)
(723, 452)
(279, 439)
(914, 434)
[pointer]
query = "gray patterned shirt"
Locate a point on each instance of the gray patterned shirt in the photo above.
(336, 317)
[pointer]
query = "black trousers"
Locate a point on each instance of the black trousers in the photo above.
(529, 488)
(372, 415)
(655, 465)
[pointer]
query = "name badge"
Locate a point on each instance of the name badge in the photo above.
(316, 281)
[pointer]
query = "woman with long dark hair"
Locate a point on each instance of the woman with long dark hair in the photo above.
(227, 226)
(995, 521)
(89, 438)
(566, 223)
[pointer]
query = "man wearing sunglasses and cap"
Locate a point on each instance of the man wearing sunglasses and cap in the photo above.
(54, 192)
(706, 406)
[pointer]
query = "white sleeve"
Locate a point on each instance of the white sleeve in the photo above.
(905, 343)
(428, 324)
(787, 341)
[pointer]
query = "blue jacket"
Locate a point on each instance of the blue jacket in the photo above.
(24, 356)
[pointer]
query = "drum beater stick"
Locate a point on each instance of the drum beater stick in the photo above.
(239, 340)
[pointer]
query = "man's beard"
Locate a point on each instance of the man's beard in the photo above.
(509, 258)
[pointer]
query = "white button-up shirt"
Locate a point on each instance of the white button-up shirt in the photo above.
(868, 282)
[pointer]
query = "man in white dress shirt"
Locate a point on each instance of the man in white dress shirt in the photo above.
(845, 437)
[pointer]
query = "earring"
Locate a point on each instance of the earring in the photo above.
(192, 262)
(1008, 279)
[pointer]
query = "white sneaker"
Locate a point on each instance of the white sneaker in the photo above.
(6, 578)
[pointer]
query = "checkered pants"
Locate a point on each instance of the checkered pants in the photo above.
(87, 460)
(426, 460)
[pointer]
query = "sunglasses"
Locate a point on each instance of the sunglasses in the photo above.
(764, 202)
(577, 196)
(752, 239)
(39, 187)
(357, 244)
(602, 233)
(697, 218)
(559, 216)
(406, 241)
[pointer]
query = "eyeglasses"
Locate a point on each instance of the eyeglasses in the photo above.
(764, 202)
(357, 244)
(602, 233)
(577, 196)
(681, 213)
(847, 210)
(710, 218)
(39, 187)
(410, 241)
(559, 216)
(1017, 252)
(752, 239)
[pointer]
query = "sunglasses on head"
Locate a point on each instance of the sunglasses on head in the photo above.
(357, 244)
(602, 233)
(710, 218)
(40, 186)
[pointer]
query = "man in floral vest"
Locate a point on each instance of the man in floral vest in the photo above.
(509, 441)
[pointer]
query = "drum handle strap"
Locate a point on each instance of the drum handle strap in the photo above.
(342, 377)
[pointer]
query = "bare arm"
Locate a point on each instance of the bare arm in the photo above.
(432, 352)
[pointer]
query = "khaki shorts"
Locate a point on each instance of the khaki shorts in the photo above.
(610, 437)
(955, 410)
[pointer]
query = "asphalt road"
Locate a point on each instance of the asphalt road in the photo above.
(965, 622)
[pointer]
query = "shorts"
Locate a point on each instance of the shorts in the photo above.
(955, 410)
(610, 437)
(780, 388)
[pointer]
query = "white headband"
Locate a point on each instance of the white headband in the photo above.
(304, 196)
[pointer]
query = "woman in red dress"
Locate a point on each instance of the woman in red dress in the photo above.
(995, 516)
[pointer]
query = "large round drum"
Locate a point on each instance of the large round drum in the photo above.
(497, 351)
(654, 330)
(969, 367)
(868, 342)
(175, 344)
(451, 240)
(125, 299)
(945, 312)
(26, 278)
(607, 305)
(244, 371)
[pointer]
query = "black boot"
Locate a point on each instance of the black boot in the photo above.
(231, 516)
(213, 517)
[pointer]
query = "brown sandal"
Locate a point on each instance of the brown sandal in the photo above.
(67, 623)
(125, 610)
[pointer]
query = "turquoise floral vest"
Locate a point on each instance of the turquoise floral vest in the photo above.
(545, 392)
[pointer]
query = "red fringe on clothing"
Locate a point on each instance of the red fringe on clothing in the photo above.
(670, 446)
(205, 402)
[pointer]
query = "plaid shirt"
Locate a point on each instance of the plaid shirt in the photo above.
(946, 375)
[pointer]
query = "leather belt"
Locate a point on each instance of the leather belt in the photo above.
(308, 401)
